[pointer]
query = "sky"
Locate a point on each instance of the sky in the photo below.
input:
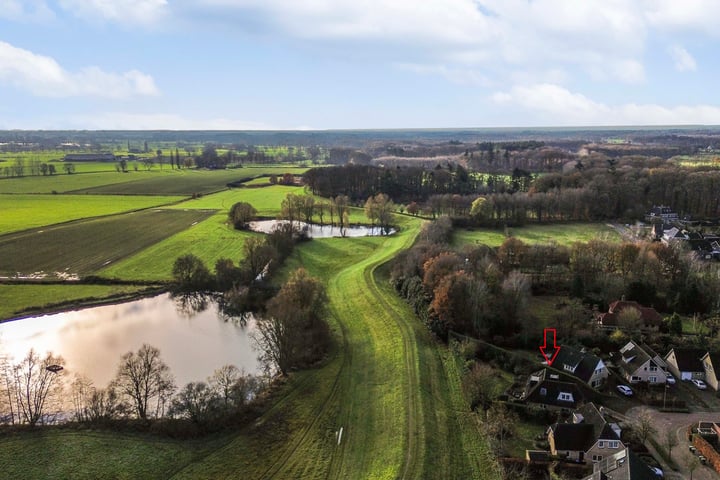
(344, 64)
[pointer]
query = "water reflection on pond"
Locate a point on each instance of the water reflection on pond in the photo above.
(320, 231)
(92, 340)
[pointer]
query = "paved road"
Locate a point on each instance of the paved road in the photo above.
(677, 423)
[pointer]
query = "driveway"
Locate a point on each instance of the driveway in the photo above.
(678, 423)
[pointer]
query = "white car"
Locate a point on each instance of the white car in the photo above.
(670, 380)
(699, 384)
(657, 471)
(625, 390)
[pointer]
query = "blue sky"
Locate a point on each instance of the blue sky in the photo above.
(326, 64)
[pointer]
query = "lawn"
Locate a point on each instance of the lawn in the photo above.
(84, 247)
(266, 200)
(17, 300)
(21, 212)
(560, 233)
(66, 454)
(62, 183)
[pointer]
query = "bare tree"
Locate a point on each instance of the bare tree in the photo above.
(143, 376)
(223, 380)
(644, 424)
(35, 383)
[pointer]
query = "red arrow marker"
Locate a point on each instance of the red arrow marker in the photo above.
(555, 349)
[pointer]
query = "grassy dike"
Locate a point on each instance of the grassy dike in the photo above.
(392, 389)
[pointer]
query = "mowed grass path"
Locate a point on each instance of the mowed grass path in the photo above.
(86, 246)
(560, 233)
(392, 389)
(20, 212)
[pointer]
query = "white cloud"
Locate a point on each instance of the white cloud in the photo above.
(684, 62)
(460, 34)
(154, 121)
(555, 105)
(460, 76)
(25, 10)
(43, 76)
(126, 12)
(695, 16)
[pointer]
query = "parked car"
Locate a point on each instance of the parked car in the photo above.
(699, 384)
(658, 471)
(703, 460)
(670, 379)
(625, 390)
(692, 448)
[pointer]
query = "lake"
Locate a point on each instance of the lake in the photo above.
(92, 340)
(319, 231)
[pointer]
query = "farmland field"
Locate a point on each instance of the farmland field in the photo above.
(562, 234)
(28, 211)
(141, 182)
(85, 247)
(210, 240)
(266, 200)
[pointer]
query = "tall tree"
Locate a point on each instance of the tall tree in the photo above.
(142, 377)
(34, 384)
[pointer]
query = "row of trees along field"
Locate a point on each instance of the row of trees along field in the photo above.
(483, 292)
(37, 391)
(591, 189)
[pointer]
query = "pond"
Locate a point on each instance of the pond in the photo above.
(320, 231)
(92, 340)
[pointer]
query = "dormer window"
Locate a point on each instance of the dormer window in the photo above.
(569, 368)
(565, 397)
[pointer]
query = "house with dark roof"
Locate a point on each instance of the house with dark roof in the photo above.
(637, 365)
(589, 438)
(661, 214)
(686, 363)
(711, 364)
(649, 317)
(546, 390)
(583, 365)
(623, 465)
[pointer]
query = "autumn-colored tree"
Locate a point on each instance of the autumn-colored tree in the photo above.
(437, 267)
(379, 209)
(510, 253)
(457, 301)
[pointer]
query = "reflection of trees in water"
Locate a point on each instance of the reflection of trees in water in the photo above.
(189, 304)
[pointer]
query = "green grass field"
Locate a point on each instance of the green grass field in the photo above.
(141, 182)
(21, 212)
(562, 234)
(210, 240)
(85, 247)
(16, 300)
(94, 455)
(266, 200)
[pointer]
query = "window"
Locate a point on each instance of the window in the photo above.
(601, 444)
(613, 444)
(635, 378)
(566, 397)
(652, 379)
(569, 368)
(597, 458)
(653, 368)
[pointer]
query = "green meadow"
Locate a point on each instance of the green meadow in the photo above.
(21, 212)
(562, 234)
